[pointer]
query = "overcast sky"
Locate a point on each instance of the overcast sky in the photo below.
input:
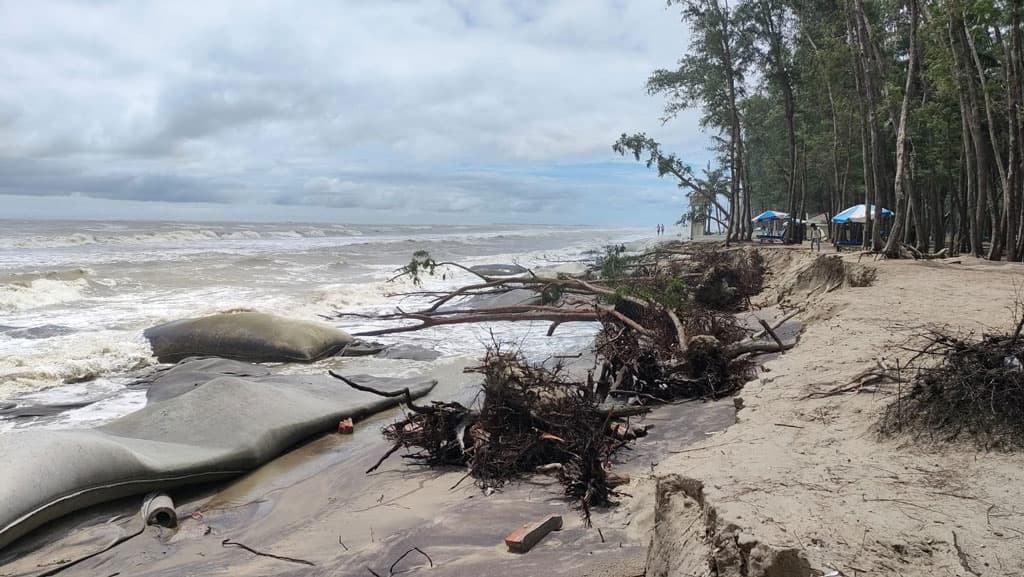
(362, 111)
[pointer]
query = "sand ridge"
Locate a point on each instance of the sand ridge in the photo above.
(812, 473)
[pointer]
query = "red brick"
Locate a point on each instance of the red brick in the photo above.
(346, 427)
(524, 538)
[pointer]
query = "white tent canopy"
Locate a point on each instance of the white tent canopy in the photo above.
(858, 213)
(771, 215)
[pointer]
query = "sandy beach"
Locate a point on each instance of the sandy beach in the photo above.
(813, 474)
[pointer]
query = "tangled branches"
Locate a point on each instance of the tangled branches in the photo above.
(965, 387)
(531, 418)
(693, 346)
(667, 315)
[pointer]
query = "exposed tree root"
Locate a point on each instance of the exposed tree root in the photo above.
(530, 418)
(668, 332)
(963, 387)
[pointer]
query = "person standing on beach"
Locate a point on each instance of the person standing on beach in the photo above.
(815, 236)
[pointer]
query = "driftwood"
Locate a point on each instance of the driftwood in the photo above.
(918, 255)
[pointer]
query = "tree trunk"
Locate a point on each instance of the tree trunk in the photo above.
(978, 157)
(871, 92)
(903, 182)
(998, 223)
(1012, 192)
(853, 33)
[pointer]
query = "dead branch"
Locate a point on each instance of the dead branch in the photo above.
(230, 543)
(918, 255)
(680, 331)
(756, 347)
(391, 570)
(771, 333)
(625, 320)
(404, 392)
(483, 317)
(778, 324)
(963, 387)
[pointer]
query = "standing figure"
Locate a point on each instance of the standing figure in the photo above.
(815, 235)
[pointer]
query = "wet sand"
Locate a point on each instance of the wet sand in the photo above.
(316, 503)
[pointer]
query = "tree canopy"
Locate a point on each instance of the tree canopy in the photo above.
(815, 105)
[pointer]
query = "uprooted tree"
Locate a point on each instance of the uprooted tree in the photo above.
(668, 328)
(668, 331)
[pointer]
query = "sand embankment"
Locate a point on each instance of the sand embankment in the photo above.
(811, 475)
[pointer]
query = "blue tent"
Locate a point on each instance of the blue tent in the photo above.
(856, 213)
(771, 215)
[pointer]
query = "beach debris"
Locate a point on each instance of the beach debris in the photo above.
(346, 427)
(391, 570)
(962, 387)
(524, 538)
(869, 380)
(668, 332)
(529, 418)
(652, 306)
(230, 543)
(158, 509)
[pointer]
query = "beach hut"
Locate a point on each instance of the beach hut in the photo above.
(773, 225)
(850, 229)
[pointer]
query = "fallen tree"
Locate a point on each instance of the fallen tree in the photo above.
(530, 419)
(668, 331)
(667, 315)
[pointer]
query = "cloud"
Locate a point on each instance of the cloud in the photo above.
(447, 106)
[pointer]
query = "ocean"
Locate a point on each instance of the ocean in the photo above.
(75, 296)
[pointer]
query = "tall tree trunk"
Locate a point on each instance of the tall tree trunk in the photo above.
(919, 200)
(998, 222)
(740, 196)
(871, 92)
(903, 182)
(866, 166)
(853, 38)
(785, 83)
(1012, 192)
(978, 154)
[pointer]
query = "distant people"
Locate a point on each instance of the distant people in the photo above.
(660, 229)
(815, 235)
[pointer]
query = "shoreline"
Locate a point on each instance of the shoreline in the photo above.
(91, 345)
(763, 480)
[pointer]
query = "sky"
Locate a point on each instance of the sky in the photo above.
(457, 111)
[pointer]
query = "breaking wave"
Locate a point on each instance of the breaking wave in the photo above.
(40, 292)
(184, 235)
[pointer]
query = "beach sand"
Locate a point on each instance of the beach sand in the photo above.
(808, 474)
(316, 503)
(813, 474)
